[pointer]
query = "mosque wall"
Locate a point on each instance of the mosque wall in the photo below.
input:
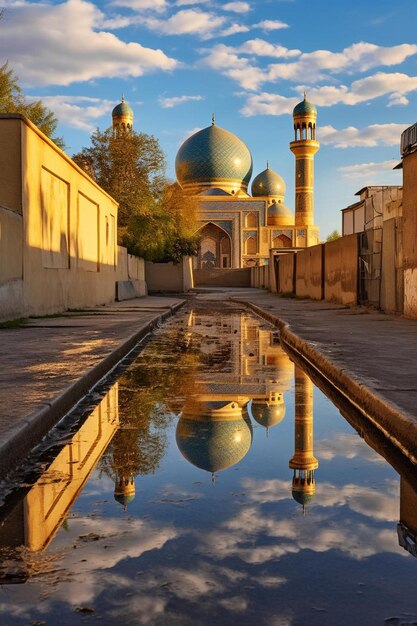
(309, 278)
(57, 228)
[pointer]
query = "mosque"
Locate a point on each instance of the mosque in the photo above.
(238, 229)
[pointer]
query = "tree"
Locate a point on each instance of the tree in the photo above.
(12, 100)
(333, 236)
(156, 221)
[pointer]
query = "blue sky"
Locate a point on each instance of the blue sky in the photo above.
(177, 61)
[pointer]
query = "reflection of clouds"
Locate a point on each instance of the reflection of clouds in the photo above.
(380, 505)
(258, 538)
(85, 560)
(145, 609)
(236, 604)
(346, 445)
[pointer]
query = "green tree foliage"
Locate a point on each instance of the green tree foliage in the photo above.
(156, 221)
(333, 236)
(12, 100)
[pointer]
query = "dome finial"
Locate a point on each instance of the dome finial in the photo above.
(213, 119)
(267, 164)
(305, 95)
(123, 97)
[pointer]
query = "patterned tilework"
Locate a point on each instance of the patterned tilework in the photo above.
(250, 233)
(268, 183)
(213, 445)
(287, 233)
(213, 153)
(234, 205)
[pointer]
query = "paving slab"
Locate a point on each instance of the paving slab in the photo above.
(48, 364)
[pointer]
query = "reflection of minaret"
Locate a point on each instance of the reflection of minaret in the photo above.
(407, 526)
(303, 462)
(124, 490)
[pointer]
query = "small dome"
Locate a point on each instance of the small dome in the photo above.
(304, 108)
(122, 109)
(268, 183)
(279, 215)
(123, 499)
(301, 497)
(266, 414)
(214, 157)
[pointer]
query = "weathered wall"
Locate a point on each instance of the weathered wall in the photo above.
(341, 270)
(309, 281)
(286, 273)
(223, 277)
(259, 276)
(392, 275)
(410, 234)
(58, 228)
(164, 277)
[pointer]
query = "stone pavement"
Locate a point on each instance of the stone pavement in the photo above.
(49, 363)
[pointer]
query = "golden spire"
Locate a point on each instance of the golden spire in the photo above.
(305, 95)
(123, 97)
(267, 165)
(213, 119)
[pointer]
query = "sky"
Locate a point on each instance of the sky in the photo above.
(246, 61)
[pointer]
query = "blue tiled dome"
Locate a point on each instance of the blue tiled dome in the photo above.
(213, 445)
(268, 183)
(305, 108)
(213, 154)
(301, 497)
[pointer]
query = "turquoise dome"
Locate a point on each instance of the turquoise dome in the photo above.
(268, 415)
(122, 109)
(279, 215)
(213, 445)
(213, 154)
(305, 108)
(301, 497)
(268, 183)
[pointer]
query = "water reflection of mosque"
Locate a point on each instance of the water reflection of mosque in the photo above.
(246, 379)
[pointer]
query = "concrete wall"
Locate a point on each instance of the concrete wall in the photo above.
(169, 277)
(286, 273)
(309, 276)
(341, 270)
(410, 233)
(392, 274)
(57, 228)
(259, 276)
(240, 277)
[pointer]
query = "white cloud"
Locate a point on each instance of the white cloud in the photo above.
(368, 137)
(61, 44)
(187, 22)
(268, 104)
(168, 103)
(368, 171)
(237, 7)
(262, 48)
(77, 111)
(141, 5)
(271, 25)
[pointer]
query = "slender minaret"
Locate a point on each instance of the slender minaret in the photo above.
(303, 462)
(305, 147)
(122, 117)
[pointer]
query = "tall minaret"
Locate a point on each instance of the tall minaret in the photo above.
(303, 462)
(305, 147)
(122, 117)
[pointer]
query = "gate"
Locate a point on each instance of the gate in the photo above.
(369, 275)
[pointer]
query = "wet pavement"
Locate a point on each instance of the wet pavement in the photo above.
(47, 364)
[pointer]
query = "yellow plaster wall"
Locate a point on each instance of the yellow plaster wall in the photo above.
(58, 229)
(410, 234)
(309, 270)
(286, 273)
(341, 270)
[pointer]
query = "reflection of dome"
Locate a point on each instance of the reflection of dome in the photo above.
(267, 414)
(268, 183)
(213, 443)
(124, 490)
(213, 157)
(304, 108)
(279, 215)
(301, 497)
(124, 500)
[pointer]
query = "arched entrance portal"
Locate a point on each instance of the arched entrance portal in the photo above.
(215, 247)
